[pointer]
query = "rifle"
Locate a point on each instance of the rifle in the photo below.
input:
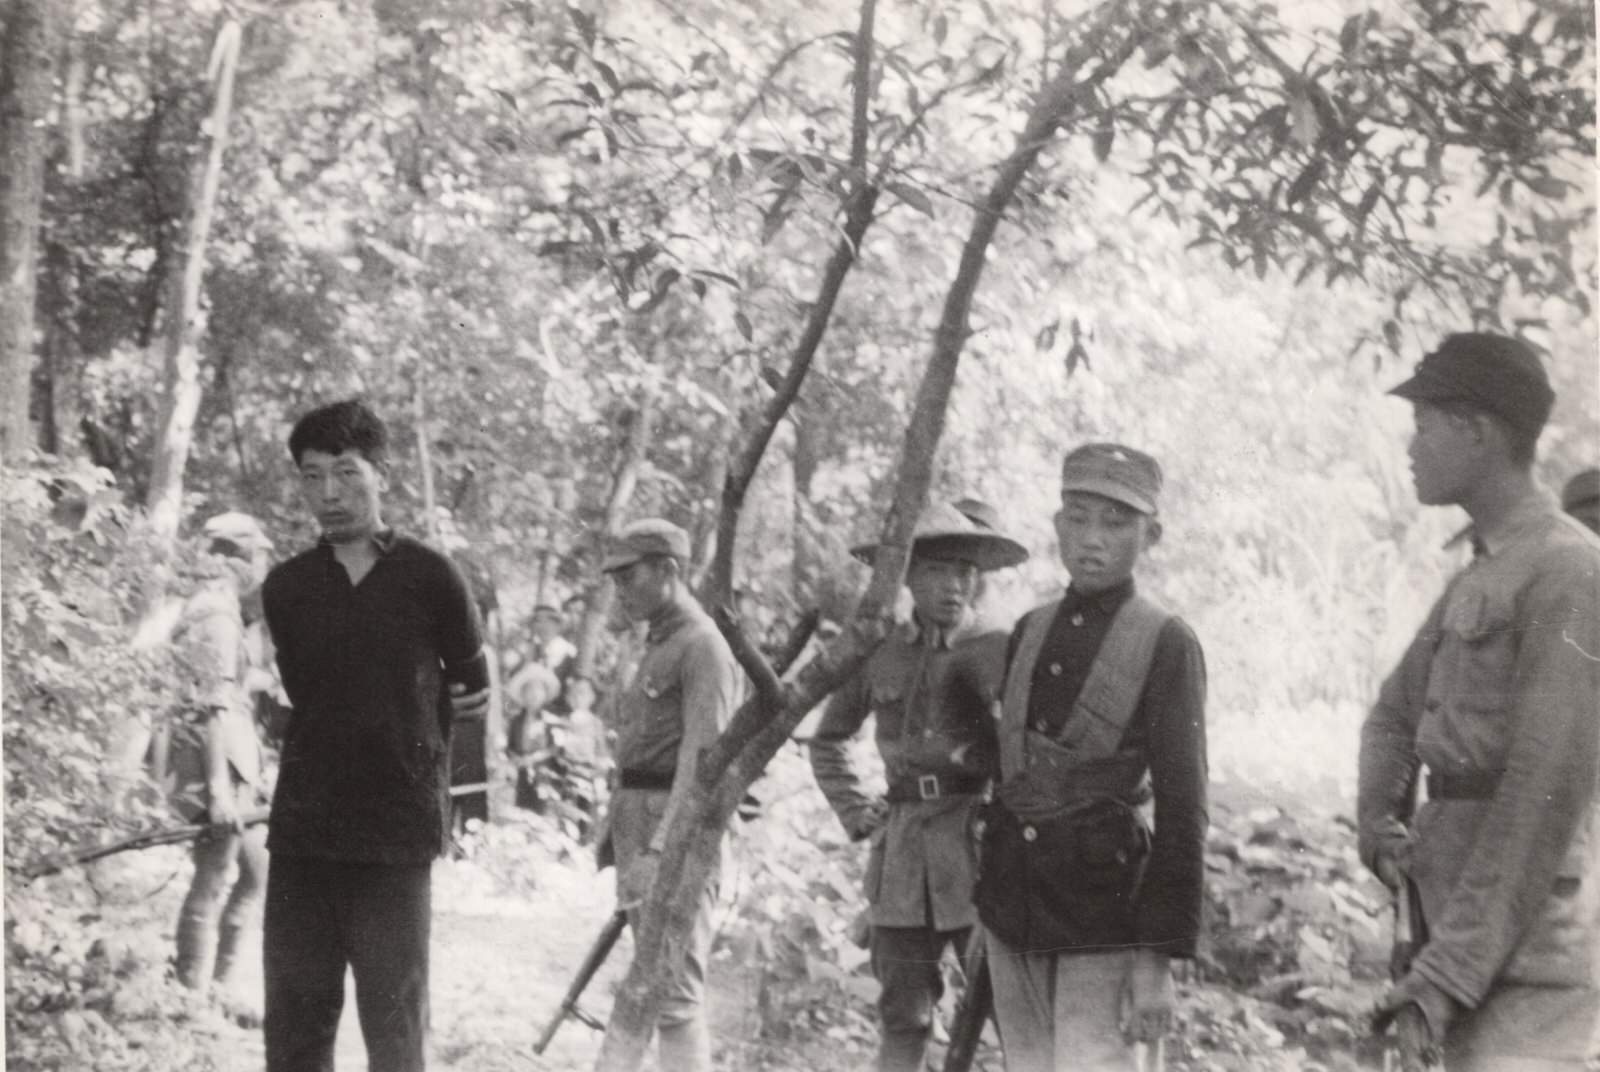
(598, 952)
(974, 1009)
(148, 839)
(1413, 1038)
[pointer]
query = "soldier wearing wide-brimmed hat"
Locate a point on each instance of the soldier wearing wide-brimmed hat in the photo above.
(931, 686)
(1495, 699)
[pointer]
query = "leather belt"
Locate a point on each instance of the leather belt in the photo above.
(935, 786)
(1479, 785)
(644, 779)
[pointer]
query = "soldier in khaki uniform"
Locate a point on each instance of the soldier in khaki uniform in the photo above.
(931, 685)
(679, 700)
(1496, 700)
(210, 757)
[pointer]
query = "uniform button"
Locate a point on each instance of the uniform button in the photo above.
(1029, 833)
(1055, 669)
(1076, 619)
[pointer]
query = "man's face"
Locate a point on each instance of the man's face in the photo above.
(643, 587)
(941, 588)
(344, 492)
(545, 628)
(1446, 452)
(1101, 539)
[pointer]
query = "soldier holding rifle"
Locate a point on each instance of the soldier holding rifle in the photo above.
(1496, 698)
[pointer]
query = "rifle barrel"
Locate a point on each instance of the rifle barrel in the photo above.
(598, 952)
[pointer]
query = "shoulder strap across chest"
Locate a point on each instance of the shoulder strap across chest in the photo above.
(1105, 705)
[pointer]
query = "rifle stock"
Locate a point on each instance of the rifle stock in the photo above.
(977, 1003)
(598, 952)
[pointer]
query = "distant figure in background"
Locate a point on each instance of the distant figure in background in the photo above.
(210, 757)
(1495, 699)
(530, 692)
(550, 648)
(1581, 498)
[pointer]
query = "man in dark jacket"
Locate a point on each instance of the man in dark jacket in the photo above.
(379, 647)
(1093, 853)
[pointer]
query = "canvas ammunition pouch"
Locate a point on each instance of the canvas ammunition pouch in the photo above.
(1066, 839)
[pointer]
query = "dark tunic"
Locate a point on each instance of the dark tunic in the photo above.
(1168, 729)
(364, 774)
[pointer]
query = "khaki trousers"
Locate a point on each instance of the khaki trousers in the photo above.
(1062, 1012)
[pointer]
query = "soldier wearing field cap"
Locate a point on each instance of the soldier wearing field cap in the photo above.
(210, 758)
(1494, 702)
(1581, 498)
(679, 700)
(1090, 883)
(931, 686)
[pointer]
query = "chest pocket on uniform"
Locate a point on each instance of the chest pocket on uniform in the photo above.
(1481, 624)
(658, 687)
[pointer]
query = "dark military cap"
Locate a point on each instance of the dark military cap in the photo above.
(545, 610)
(1583, 488)
(1128, 476)
(1495, 373)
(643, 539)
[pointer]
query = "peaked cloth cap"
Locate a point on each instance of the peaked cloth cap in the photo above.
(642, 539)
(239, 529)
(943, 531)
(1496, 373)
(1120, 473)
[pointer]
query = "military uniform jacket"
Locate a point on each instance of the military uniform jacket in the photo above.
(1497, 696)
(680, 698)
(933, 695)
(212, 656)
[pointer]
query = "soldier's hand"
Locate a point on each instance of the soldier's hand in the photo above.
(1392, 856)
(221, 810)
(871, 820)
(469, 704)
(1420, 1013)
(1150, 997)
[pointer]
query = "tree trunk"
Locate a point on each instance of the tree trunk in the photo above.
(26, 83)
(419, 416)
(762, 725)
(180, 400)
(718, 586)
(598, 608)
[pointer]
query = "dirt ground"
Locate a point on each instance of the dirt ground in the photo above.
(501, 961)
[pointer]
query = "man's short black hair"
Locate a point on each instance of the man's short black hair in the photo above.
(342, 426)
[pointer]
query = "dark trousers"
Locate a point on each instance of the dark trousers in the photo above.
(323, 915)
(905, 961)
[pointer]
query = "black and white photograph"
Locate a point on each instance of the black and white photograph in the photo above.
(778, 536)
